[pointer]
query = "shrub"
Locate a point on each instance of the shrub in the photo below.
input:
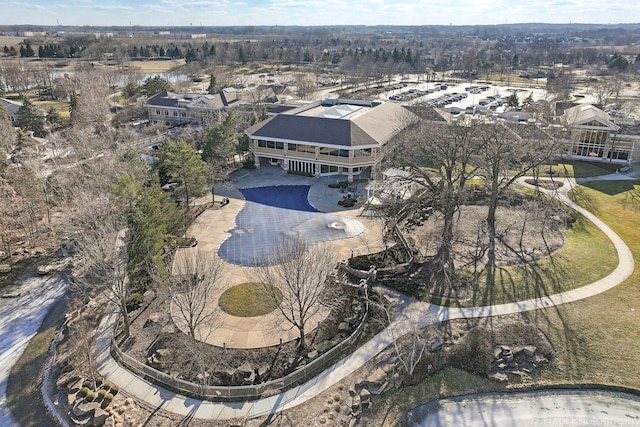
(99, 381)
(134, 301)
(83, 392)
(102, 393)
(114, 389)
(339, 184)
(86, 384)
(91, 396)
(108, 398)
(300, 173)
(349, 202)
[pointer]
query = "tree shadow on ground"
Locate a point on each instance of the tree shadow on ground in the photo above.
(612, 188)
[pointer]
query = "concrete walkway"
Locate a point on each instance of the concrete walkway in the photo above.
(411, 313)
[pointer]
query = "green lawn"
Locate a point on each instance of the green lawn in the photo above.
(250, 300)
(576, 169)
(587, 256)
(596, 339)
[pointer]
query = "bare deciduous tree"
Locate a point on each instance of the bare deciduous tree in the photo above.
(82, 330)
(305, 85)
(196, 274)
(17, 76)
(508, 153)
(441, 161)
(102, 255)
(299, 272)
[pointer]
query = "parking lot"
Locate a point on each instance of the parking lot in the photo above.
(460, 98)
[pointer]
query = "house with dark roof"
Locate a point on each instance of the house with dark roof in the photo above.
(174, 109)
(595, 136)
(331, 137)
(11, 107)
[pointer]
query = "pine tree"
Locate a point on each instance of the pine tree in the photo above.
(212, 85)
(153, 223)
(181, 164)
(28, 118)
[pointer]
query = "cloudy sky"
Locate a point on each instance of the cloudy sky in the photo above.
(315, 12)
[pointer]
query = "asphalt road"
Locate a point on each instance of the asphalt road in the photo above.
(547, 408)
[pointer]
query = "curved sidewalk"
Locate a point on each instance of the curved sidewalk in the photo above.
(422, 313)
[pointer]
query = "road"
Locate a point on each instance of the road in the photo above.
(552, 408)
(21, 318)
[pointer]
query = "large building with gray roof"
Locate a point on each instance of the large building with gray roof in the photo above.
(173, 109)
(331, 137)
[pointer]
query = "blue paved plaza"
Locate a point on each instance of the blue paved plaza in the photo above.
(276, 213)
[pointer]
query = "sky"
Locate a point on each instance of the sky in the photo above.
(314, 12)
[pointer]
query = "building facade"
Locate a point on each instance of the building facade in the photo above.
(332, 137)
(594, 136)
(173, 109)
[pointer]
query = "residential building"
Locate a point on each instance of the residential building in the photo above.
(174, 109)
(332, 137)
(11, 107)
(594, 136)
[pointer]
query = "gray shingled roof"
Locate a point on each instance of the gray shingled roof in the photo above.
(375, 126)
(317, 130)
(169, 99)
(10, 106)
(163, 99)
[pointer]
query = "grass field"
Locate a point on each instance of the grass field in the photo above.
(60, 106)
(587, 256)
(11, 41)
(576, 169)
(157, 66)
(250, 300)
(596, 339)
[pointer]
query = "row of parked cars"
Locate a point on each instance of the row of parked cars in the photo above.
(476, 89)
(492, 102)
(414, 93)
(446, 99)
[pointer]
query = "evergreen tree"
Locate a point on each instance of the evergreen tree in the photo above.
(513, 102)
(73, 104)
(153, 223)
(180, 163)
(131, 90)
(155, 84)
(54, 118)
(619, 63)
(221, 141)
(528, 101)
(212, 85)
(28, 118)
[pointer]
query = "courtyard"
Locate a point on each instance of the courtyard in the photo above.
(264, 206)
